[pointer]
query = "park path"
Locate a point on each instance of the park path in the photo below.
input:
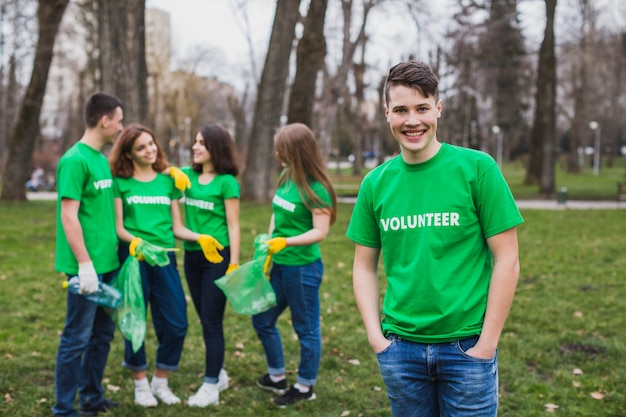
(522, 204)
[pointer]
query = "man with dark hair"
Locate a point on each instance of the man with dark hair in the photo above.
(86, 246)
(445, 220)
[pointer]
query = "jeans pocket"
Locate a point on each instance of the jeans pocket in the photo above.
(393, 340)
(463, 345)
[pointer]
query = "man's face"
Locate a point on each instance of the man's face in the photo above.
(412, 119)
(112, 126)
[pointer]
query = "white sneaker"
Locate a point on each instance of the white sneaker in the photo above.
(222, 380)
(144, 397)
(165, 394)
(208, 394)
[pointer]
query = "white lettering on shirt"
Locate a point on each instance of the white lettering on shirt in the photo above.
(102, 184)
(147, 199)
(281, 202)
(416, 221)
(204, 205)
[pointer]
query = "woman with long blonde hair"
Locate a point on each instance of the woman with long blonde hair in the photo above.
(304, 208)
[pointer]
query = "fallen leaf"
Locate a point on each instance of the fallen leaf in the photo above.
(577, 371)
(7, 398)
(597, 395)
(378, 389)
(578, 314)
(355, 362)
(576, 384)
(551, 408)
(8, 356)
(113, 388)
(345, 413)
(239, 346)
(42, 400)
(340, 264)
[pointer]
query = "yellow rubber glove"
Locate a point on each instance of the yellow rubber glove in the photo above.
(132, 248)
(210, 247)
(275, 245)
(181, 180)
(231, 268)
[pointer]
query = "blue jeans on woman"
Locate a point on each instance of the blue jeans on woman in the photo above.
(163, 291)
(296, 287)
(82, 355)
(439, 380)
(210, 302)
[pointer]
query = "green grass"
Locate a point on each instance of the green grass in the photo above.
(583, 186)
(568, 314)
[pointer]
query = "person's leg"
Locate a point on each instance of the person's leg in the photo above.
(95, 357)
(301, 286)
(407, 370)
(265, 326)
(468, 386)
(136, 361)
(79, 320)
(211, 313)
(169, 314)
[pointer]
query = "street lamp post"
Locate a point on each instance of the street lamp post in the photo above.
(595, 126)
(498, 132)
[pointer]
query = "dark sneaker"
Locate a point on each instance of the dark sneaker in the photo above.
(105, 406)
(293, 396)
(266, 383)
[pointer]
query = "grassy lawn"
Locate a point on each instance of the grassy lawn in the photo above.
(583, 186)
(563, 345)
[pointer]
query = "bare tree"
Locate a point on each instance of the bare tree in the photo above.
(22, 143)
(123, 55)
(335, 85)
(543, 136)
(581, 67)
(258, 177)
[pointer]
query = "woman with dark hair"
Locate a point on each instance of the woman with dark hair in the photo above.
(304, 207)
(212, 206)
(146, 208)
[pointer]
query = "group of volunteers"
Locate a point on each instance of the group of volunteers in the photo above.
(442, 216)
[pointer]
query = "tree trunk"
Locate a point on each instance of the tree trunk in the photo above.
(123, 55)
(547, 65)
(26, 130)
(540, 169)
(258, 177)
(310, 59)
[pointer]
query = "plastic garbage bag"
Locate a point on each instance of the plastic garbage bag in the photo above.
(247, 288)
(130, 315)
(153, 254)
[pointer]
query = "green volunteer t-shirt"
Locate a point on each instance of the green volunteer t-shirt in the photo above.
(83, 174)
(205, 211)
(431, 221)
(291, 218)
(147, 208)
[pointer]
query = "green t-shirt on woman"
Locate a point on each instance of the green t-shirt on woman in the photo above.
(147, 208)
(291, 218)
(205, 210)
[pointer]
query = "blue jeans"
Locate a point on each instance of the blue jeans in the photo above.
(432, 380)
(163, 291)
(296, 287)
(209, 301)
(82, 354)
